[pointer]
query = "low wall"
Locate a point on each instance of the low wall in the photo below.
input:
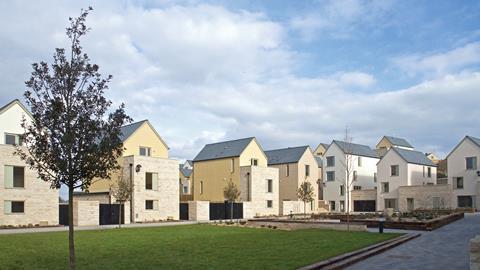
(298, 225)
(86, 213)
(294, 207)
(248, 210)
(475, 253)
(199, 210)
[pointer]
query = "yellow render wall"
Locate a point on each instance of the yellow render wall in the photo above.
(145, 136)
(215, 174)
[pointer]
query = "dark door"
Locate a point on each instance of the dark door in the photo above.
(465, 201)
(110, 213)
(364, 206)
(63, 214)
(183, 211)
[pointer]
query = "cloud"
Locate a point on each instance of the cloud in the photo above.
(438, 64)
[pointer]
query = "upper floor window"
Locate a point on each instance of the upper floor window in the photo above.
(145, 151)
(385, 187)
(355, 176)
(394, 170)
(331, 176)
(14, 177)
(201, 187)
(471, 163)
(357, 187)
(287, 170)
(359, 161)
(151, 181)
(429, 172)
(232, 165)
(269, 185)
(330, 161)
(342, 190)
(254, 162)
(13, 139)
(307, 170)
(458, 182)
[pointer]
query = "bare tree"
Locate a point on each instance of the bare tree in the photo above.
(121, 190)
(306, 194)
(349, 180)
(231, 193)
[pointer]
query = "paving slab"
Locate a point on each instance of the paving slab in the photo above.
(444, 248)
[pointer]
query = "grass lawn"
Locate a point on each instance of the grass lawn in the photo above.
(181, 247)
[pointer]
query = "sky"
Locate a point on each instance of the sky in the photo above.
(289, 73)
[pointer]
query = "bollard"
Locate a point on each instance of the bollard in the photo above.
(381, 223)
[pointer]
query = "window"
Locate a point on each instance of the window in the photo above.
(201, 187)
(355, 176)
(307, 170)
(342, 190)
(287, 170)
(359, 161)
(269, 204)
(151, 181)
(254, 162)
(385, 187)
(375, 177)
(330, 161)
(232, 165)
(14, 207)
(471, 163)
(342, 206)
(151, 205)
(14, 177)
(458, 182)
(429, 172)
(332, 205)
(391, 203)
(357, 187)
(185, 189)
(13, 139)
(269, 185)
(331, 176)
(145, 151)
(394, 171)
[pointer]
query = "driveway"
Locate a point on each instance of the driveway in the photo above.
(444, 248)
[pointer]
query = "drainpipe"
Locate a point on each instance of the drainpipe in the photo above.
(249, 198)
(132, 212)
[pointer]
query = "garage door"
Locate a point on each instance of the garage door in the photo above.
(364, 206)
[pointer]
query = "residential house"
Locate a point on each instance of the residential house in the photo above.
(388, 142)
(295, 165)
(406, 181)
(24, 198)
(145, 164)
(186, 170)
(320, 150)
(244, 162)
(463, 169)
(362, 168)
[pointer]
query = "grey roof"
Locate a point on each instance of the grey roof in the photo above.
(285, 155)
(356, 149)
(186, 172)
(223, 149)
(414, 157)
(475, 140)
(325, 145)
(398, 141)
(129, 129)
(319, 161)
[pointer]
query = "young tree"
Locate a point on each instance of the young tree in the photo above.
(306, 194)
(121, 190)
(349, 180)
(72, 139)
(231, 193)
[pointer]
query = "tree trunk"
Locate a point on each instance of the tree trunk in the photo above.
(71, 240)
(304, 210)
(120, 216)
(231, 212)
(348, 209)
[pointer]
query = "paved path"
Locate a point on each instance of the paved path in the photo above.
(444, 248)
(89, 228)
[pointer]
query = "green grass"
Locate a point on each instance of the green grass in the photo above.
(181, 247)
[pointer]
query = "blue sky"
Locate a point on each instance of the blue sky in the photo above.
(288, 72)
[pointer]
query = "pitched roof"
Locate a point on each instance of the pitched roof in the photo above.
(285, 155)
(356, 149)
(13, 102)
(319, 161)
(414, 157)
(325, 145)
(475, 140)
(223, 149)
(398, 141)
(186, 172)
(127, 130)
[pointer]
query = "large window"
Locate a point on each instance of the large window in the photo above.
(13, 139)
(385, 187)
(458, 182)
(14, 207)
(471, 163)
(269, 185)
(307, 170)
(331, 176)
(145, 151)
(394, 170)
(330, 161)
(14, 177)
(151, 181)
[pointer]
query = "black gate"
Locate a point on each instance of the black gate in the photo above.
(110, 213)
(183, 211)
(223, 210)
(63, 214)
(364, 206)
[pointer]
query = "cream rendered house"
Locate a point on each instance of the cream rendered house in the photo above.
(24, 198)
(406, 181)
(186, 179)
(145, 163)
(463, 167)
(243, 162)
(295, 165)
(363, 171)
